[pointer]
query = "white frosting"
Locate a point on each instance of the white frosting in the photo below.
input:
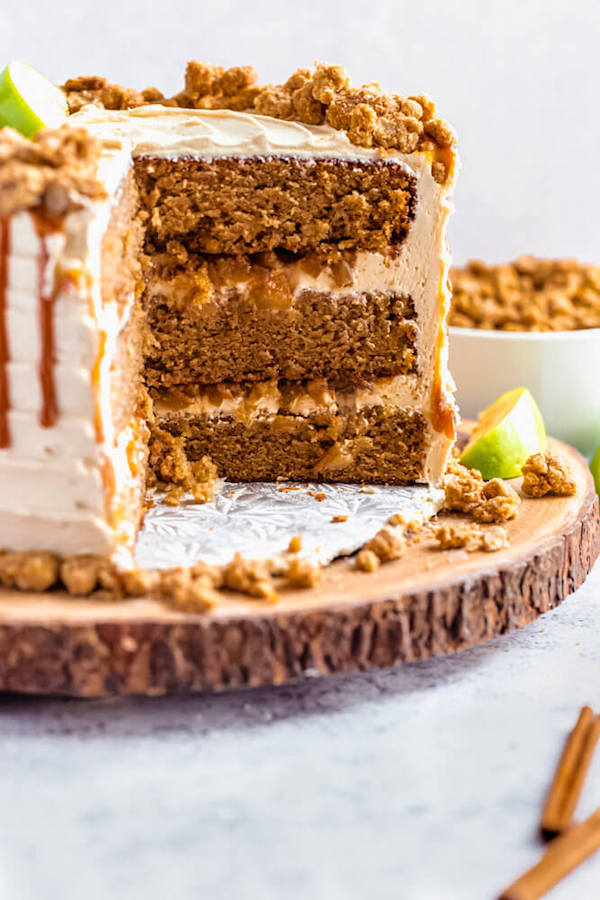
(172, 132)
(53, 492)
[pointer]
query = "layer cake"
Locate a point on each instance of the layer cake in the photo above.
(255, 276)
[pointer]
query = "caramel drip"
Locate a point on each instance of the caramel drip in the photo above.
(98, 423)
(49, 410)
(443, 417)
(4, 390)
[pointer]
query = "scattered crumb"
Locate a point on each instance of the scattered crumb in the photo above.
(499, 502)
(318, 495)
(467, 492)
(409, 524)
(453, 536)
(29, 571)
(470, 537)
(493, 539)
(462, 487)
(79, 574)
(182, 589)
(295, 544)
(367, 561)
(546, 474)
(303, 573)
(386, 545)
(340, 519)
(250, 577)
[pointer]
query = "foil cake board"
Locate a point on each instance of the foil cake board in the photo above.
(427, 603)
(258, 520)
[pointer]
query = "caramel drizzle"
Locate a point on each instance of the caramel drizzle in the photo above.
(49, 410)
(4, 387)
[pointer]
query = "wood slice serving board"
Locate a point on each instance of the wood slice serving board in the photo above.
(429, 602)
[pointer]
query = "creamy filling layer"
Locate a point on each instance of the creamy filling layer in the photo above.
(270, 398)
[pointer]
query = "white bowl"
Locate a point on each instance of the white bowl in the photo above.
(561, 369)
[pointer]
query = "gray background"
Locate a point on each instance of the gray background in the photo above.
(517, 79)
(418, 784)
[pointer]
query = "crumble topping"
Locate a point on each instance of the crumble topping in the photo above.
(188, 590)
(367, 561)
(385, 546)
(465, 491)
(471, 537)
(369, 116)
(303, 573)
(250, 576)
(295, 544)
(546, 474)
(53, 172)
(529, 294)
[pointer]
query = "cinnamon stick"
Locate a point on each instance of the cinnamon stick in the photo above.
(564, 854)
(570, 774)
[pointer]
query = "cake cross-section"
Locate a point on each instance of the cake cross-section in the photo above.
(241, 282)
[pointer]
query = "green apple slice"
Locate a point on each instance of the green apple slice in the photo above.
(28, 101)
(595, 467)
(507, 432)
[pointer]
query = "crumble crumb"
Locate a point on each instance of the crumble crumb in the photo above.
(499, 502)
(467, 492)
(28, 571)
(545, 473)
(250, 577)
(529, 294)
(494, 538)
(367, 561)
(451, 536)
(54, 172)
(186, 591)
(139, 582)
(295, 544)
(303, 573)
(465, 535)
(79, 574)
(386, 545)
(339, 519)
(462, 487)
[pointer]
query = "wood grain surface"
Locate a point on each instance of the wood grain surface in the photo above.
(429, 602)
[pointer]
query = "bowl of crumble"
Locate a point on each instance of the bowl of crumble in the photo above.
(531, 323)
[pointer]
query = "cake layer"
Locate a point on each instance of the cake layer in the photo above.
(257, 318)
(369, 431)
(381, 445)
(250, 205)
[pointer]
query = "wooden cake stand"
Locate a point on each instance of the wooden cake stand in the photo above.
(429, 602)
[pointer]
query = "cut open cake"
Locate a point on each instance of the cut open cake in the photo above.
(239, 282)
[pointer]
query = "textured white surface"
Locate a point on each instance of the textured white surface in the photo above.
(259, 520)
(421, 783)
